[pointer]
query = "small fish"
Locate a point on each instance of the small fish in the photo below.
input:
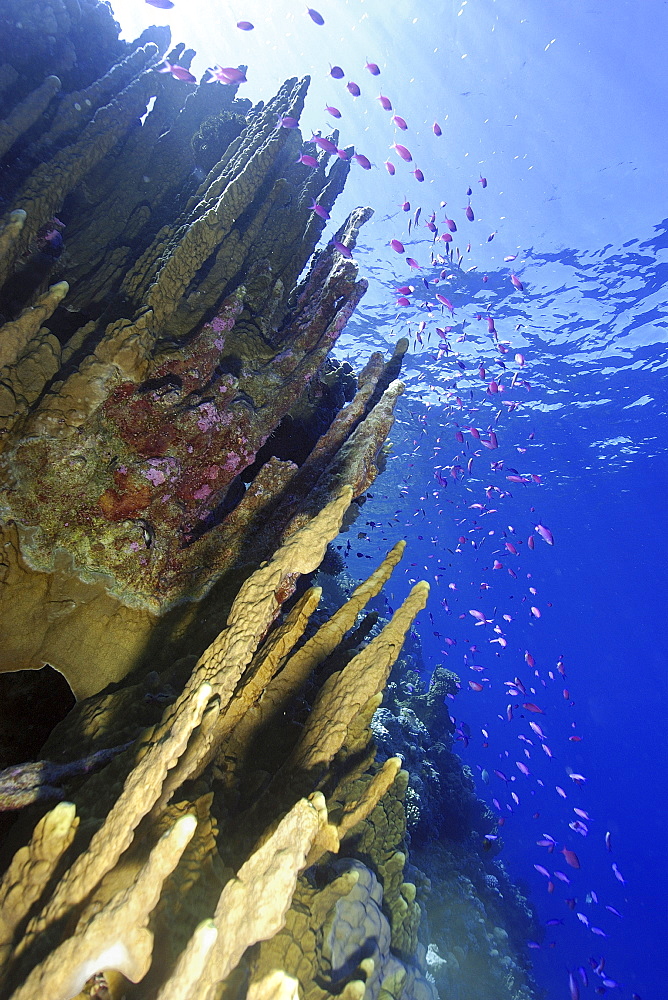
(419, 176)
(483, 181)
(404, 153)
(342, 248)
(468, 211)
(530, 707)
(336, 72)
(583, 918)
(286, 121)
(400, 122)
(334, 112)
(326, 144)
(608, 840)
(444, 301)
(353, 89)
(373, 69)
(391, 169)
(226, 75)
(161, 4)
(307, 160)
(571, 857)
(436, 129)
(542, 870)
(413, 263)
(178, 72)
(544, 533)
(597, 930)
(475, 686)
(618, 874)
(385, 102)
(363, 161)
(397, 246)
(319, 210)
(573, 987)
(315, 16)
(523, 768)
(245, 25)
(560, 791)
(517, 283)
(406, 206)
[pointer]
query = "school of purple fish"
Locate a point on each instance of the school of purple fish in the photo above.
(471, 435)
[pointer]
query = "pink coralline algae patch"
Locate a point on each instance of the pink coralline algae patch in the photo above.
(209, 417)
(180, 435)
(155, 476)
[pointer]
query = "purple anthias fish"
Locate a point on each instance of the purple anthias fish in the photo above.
(315, 16)
(373, 69)
(319, 210)
(404, 153)
(342, 248)
(226, 75)
(363, 161)
(325, 144)
(178, 72)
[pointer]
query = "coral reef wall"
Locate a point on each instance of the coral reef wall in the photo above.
(177, 450)
(156, 340)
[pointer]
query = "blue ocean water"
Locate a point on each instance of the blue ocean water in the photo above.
(561, 108)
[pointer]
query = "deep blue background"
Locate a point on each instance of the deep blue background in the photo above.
(561, 106)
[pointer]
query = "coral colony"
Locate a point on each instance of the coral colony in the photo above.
(177, 450)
